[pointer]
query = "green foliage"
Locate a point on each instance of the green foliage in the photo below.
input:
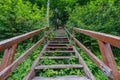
(25, 66)
(60, 72)
(98, 15)
(99, 75)
(47, 61)
(50, 34)
(18, 16)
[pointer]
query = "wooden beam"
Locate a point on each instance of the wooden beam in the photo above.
(113, 40)
(86, 69)
(108, 58)
(58, 44)
(8, 57)
(59, 66)
(69, 77)
(9, 42)
(59, 52)
(31, 73)
(6, 72)
(58, 57)
(99, 63)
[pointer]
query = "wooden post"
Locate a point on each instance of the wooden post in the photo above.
(8, 57)
(108, 59)
(48, 8)
(72, 32)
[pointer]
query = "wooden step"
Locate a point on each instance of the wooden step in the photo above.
(59, 47)
(60, 38)
(59, 52)
(58, 44)
(58, 66)
(58, 57)
(59, 41)
(72, 77)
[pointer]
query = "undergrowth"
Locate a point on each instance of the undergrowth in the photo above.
(99, 75)
(48, 61)
(24, 67)
(59, 72)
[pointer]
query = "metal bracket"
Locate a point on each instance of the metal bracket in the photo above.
(107, 71)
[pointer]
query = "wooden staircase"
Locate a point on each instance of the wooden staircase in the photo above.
(60, 44)
(60, 48)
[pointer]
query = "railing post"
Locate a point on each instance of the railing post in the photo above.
(72, 32)
(108, 59)
(45, 36)
(8, 57)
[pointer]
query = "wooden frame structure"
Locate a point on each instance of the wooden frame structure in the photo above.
(9, 47)
(108, 65)
(66, 49)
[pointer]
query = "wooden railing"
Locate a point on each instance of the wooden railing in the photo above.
(9, 47)
(108, 65)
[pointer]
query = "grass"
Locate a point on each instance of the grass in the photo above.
(59, 72)
(25, 66)
(47, 61)
(99, 75)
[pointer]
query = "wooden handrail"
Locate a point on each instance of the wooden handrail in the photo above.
(9, 42)
(113, 40)
(9, 47)
(6, 72)
(108, 66)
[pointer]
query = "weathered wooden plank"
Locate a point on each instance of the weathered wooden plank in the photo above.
(8, 57)
(6, 72)
(31, 73)
(58, 44)
(59, 52)
(58, 66)
(59, 41)
(59, 47)
(99, 63)
(9, 42)
(58, 57)
(86, 69)
(108, 59)
(72, 77)
(113, 40)
(60, 38)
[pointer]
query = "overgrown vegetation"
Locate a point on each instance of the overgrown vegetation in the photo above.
(22, 70)
(99, 75)
(18, 17)
(47, 61)
(21, 16)
(98, 15)
(59, 72)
